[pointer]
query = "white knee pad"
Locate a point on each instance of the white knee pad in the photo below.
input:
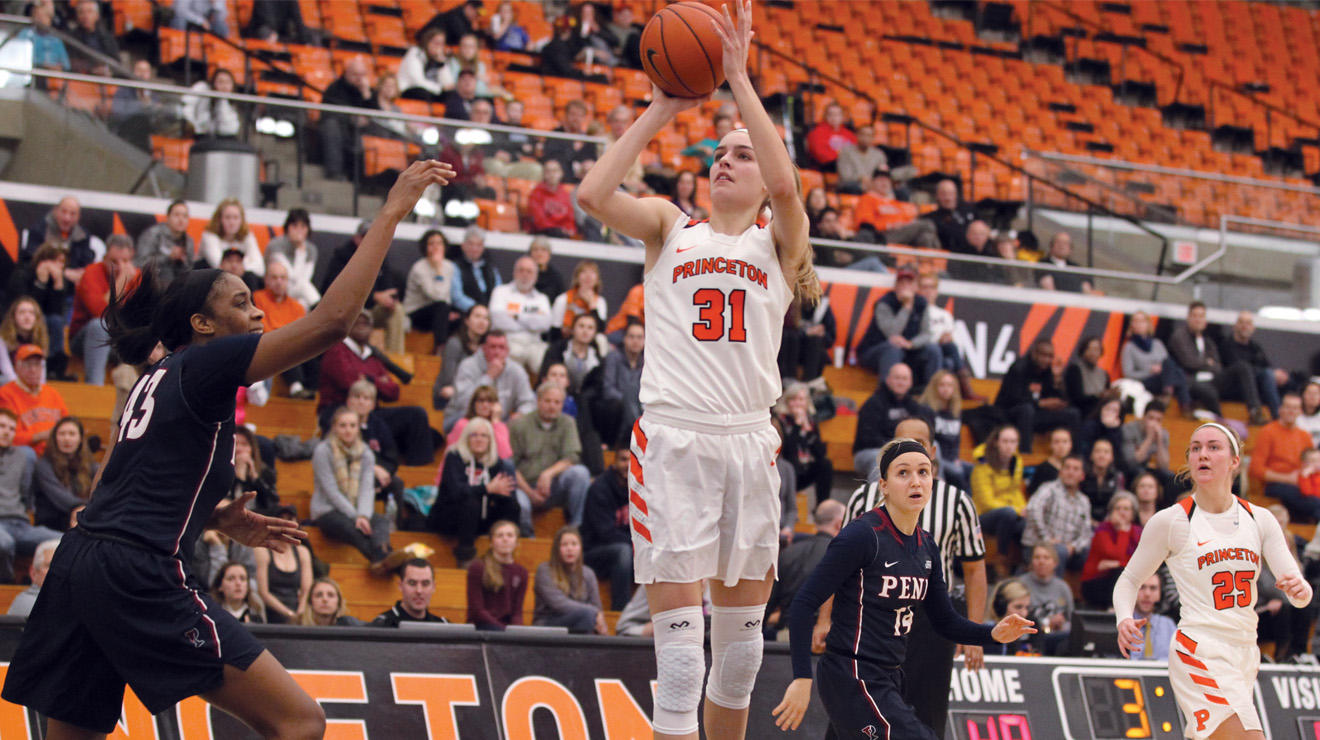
(736, 643)
(680, 661)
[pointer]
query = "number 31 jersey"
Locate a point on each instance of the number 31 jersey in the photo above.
(715, 307)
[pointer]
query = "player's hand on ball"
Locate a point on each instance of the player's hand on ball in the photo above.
(788, 715)
(1012, 628)
(736, 37)
(419, 176)
(1296, 588)
(1130, 638)
(671, 106)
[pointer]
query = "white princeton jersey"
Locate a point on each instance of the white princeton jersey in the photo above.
(1216, 568)
(715, 307)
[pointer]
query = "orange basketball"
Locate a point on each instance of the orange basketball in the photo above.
(681, 52)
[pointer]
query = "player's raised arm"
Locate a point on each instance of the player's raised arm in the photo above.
(330, 321)
(599, 195)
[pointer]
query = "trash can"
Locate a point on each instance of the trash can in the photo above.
(223, 168)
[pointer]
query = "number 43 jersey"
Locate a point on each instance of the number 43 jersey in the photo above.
(715, 306)
(173, 459)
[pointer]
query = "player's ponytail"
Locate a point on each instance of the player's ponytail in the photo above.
(149, 313)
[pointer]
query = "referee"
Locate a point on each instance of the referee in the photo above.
(951, 518)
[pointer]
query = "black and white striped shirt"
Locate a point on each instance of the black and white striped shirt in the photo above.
(950, 517)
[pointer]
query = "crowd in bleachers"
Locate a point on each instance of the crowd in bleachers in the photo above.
(539, 379)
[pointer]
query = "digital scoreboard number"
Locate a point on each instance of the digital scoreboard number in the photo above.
(1117, 704)
(1308, 728)
(978, 725)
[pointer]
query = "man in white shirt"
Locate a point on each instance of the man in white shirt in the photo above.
(940, 324)
(523, 314)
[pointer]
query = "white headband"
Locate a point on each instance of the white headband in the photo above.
(1232, 438)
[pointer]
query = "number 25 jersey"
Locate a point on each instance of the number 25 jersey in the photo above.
(1216, 568)
(715, 306)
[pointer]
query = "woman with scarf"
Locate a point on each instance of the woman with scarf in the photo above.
(1145, 358)
(344, 489)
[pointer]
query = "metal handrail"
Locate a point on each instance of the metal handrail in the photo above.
(66, 39)
(299, 104)
(1119, 164)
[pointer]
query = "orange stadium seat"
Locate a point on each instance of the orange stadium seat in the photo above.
(381, 155)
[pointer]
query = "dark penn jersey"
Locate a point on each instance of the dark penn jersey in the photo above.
(173, 460)
(877, 576)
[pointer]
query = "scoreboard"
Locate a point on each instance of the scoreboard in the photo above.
(1026, 698)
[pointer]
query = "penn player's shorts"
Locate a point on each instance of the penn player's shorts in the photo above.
(868, 704)
(110, 612)
(1213, 680)
(704, 497)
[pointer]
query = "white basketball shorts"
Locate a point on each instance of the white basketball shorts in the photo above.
(1213, 680)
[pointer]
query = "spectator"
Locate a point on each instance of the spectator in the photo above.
(231, 261)
(280, 309)
(378, 437)
(859, 160)
(284, 579)
(546, 450)
(997, 488)
(496, 583)
(803, 446)
(505, 31)
(945, 403)
(1051, 599)
(212, 116)
(344, 490)
(617, 121)
(485, 404)
(828, 137)
(64, 474)
(345, 363)
(1084, 381)
(252, 474)
(816, 202)
(1239, 348)
(1105, 422)
(300, 252)
(231, 590)
(1150, 496)
(828, 226)
(384, 299)
(1059, 515)
(566, 590)
(211, 15)
(607, 530)
(475, 489)
(704, 150)
(468, 59)
(1112, 545)
(548, 279)
(228, 229)
(891, 403)
(88, 334)
(1158, 630)
(898, 332)
(685, 192)
(1277, 459)
(88, 30)
(326, 606)
(940, 325)
(574, 155)
(48, 50)
(339, 132)
(809, 333)
(61, 227)
(460, 346)
(882, 218)
(631, 311)
(476, 276)
(424, 73)
(167, 245)
(1006, 249)
(1010, 597)
(1103, 479)
(1309, 419)
(457, 21)
(491, 367)
(430, 288)
(23, 324)
(1061, 446)
(1145, 358)
(23, 601)
(798, 560)
(550, 205)
(627, 37)
(136, 113)
(1145, 445)
(951, 218)
(560, 53)
(17, 535)
(416, 586)
(1030, 398)
(1070, 282)
(513, 154)
(523, 314)
(975, 240)
(36, 406)
(597, 42)
(621, 386)
(583, 296)
(1198, 355)
(275, 20)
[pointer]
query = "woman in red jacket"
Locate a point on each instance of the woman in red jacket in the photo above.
(1112, 545)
